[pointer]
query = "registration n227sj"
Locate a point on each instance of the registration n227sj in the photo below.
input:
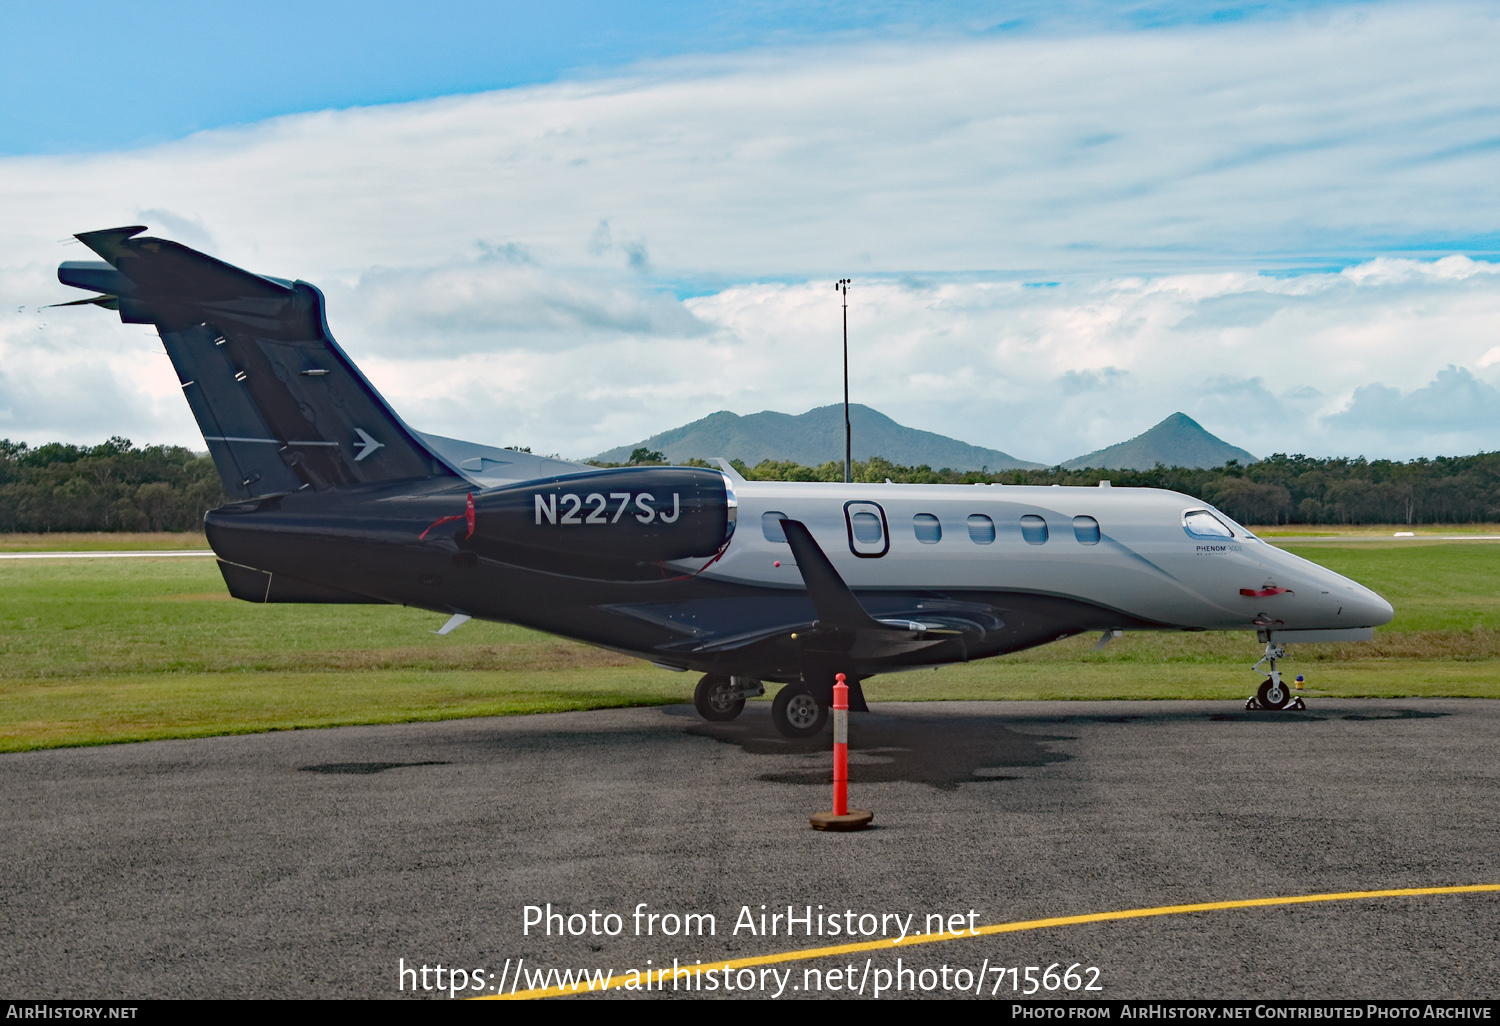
(336, 499)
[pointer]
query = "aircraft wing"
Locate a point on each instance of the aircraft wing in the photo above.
(843, 623)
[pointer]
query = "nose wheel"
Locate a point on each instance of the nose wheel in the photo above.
(1273, 694)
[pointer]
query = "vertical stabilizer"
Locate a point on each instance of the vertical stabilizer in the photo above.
(280, 405)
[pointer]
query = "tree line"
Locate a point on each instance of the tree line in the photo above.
(1279, 490)
(113, 486)
(116, 486)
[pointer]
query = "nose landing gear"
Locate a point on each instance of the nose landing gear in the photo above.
(1273, 694)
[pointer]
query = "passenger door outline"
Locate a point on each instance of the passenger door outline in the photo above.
(867, 549)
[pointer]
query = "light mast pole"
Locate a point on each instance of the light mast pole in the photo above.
(843, 286)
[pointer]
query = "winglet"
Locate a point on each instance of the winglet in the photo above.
(835, 604)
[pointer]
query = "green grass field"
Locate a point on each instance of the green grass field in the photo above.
(96, 651)
(102, 541)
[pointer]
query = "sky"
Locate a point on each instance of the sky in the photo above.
(573, 229)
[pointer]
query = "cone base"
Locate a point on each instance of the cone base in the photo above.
(854, 819)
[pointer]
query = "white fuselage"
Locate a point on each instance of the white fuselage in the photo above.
(1144, 564)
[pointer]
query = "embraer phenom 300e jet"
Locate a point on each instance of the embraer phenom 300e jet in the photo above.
(335, 499)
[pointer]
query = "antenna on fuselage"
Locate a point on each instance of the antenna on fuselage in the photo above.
(843, 286)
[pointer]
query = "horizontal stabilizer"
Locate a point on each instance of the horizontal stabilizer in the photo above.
(490, 467)
(107, 302)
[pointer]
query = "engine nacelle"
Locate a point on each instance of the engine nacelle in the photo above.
(628, 514)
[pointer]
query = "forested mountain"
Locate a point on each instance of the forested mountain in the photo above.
(811, 438)
(817, 436)
(1178, 441)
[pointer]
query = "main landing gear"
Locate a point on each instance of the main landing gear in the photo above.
(719, 698)
(796, 712)
(1273, 694)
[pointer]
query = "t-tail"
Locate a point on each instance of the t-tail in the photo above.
(280, 405)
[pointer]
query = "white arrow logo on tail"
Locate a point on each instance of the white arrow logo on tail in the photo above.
(366, 444)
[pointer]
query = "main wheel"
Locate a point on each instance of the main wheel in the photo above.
(712, 698)
(1272, 695)
(797, 713)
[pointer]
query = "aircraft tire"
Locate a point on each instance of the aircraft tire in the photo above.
(710, 701)
(797, 713)
(1282, 699)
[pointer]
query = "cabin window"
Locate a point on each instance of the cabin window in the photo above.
(1086, 530)
(1034, 529)
(866, 527)
(770, 526)
(1200, 523)
(928, 528)
(981, 529)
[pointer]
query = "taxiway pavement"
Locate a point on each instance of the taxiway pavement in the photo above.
(312, 863)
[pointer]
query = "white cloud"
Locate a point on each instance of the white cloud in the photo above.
(1048, 374)
(1456, 407)
(1154, 150)
(1044, 374)
(489, 305)
(78, 375)
(505, 265)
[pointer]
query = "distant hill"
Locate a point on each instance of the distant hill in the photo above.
(814, 438)
(1178, 441)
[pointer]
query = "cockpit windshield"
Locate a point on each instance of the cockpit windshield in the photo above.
(1203, 523)
(1200, 523)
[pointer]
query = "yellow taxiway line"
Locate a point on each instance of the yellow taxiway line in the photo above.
(984, 931)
